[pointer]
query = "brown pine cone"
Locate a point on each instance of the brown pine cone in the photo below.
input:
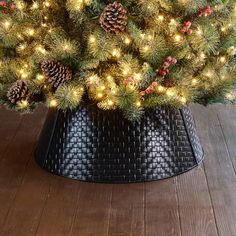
(57, 73)
(18, 91)
(114, 18)
(168, 83)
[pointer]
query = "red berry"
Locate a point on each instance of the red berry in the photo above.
(163, 72)
(142, 93)
(187, 24)
(174, 60)
(154, 84)
(166, 64)
(169, 59)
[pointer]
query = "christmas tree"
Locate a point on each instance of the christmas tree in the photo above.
(129, 54)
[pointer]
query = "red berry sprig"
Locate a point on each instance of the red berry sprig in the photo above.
(149, 90)
(6, 6)
(206, 11)
(186, 28)
(168, 62)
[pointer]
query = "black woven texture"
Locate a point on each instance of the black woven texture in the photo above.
(92, 145)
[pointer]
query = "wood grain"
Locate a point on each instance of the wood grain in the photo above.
(219, 170)
(162, 214)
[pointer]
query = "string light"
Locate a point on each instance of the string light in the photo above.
(170, 93)
(116, 53)
(161, 17)
(31, 32)
(160, 88)
(35, 5)
(39, 77)
(92, 39)
(194, 81)
(110, 102)
(137, 76)
(223, 59)
(146, 48)
(177, 37)
(138, 104)
(203, 55)
(7, 24)
(183, 100)
(127, 40)
(23, 104)
(99, 95)
(53, 103)
(103, 87)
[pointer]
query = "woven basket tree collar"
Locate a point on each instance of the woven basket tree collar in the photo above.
(114, 18)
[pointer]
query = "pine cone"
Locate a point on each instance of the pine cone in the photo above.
(19, 90)
(114, 18)
(168, 83)
(57, 73)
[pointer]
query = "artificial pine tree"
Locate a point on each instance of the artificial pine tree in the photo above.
(156, 53)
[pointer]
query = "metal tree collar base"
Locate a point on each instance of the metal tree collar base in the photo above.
(89, 144)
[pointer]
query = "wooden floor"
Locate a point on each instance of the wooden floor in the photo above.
(201, 202)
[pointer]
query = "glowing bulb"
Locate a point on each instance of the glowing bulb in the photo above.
(203, 55)
(103, 87)
(170, 93)
(31, 32)
(99, 95)
(145, 48)
(230, 96)
(127, 41)
(53, 103)
(35, 5)
(116, 53)
(39, 77)
(172, 21)
(161, 17)
(160, 88)
(23, 104)
(92, 39)
(194, 81)
(137, 76)
(138, 104)
(47, 4)
(223, 59)
(125, 72)
(177, 37)
(110, 102)
(183, 99)
(142, 35)
(7, 24)
(209, 74)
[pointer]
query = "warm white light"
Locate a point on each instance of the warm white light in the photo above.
(138, 104)
(127, 40)
(99, 95)
(177, 37)
(161, 17)
(92, 39)
(53, 103)
(223, 59)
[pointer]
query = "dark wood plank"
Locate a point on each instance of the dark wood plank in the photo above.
(227, 118)
(10, 122)
(196, 211)
(162, 215)
(60, 208)
(14, 162)
(127, 210)
(219, 169)
(92, 210)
